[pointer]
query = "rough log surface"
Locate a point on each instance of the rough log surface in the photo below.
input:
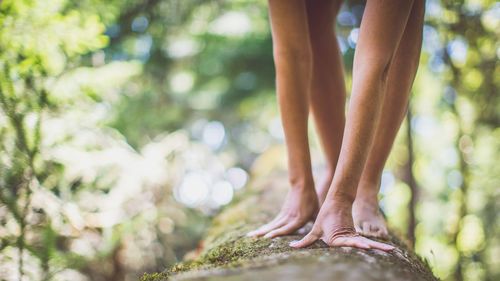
(228, 255)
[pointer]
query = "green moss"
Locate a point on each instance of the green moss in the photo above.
(237, 249)
(229, 253)
(160, 276)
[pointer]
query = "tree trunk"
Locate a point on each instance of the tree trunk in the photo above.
(226, 254)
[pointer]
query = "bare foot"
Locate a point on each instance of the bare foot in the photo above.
(300, 207)
(368, 220)
(335, 227)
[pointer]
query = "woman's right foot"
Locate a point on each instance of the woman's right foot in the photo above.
(300, 206)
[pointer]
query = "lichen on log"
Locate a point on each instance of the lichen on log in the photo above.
(228, 255)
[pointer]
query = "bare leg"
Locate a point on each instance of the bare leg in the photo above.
(327, 85)
(367, 217)
(382, 28)
(293, 60)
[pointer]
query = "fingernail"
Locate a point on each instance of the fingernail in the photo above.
(293, 243)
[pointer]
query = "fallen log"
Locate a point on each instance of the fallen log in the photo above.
(227, 254)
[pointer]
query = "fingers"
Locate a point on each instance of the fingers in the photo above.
(360, 242)
(284, 230)
(380, 246)
(310, 238)
(276, 223)
(351, 241)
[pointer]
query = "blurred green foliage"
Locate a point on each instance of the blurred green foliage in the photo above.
(125, 124)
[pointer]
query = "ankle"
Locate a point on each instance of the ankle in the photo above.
(339, 205)
(366, 198)
(371, 181)
(303, 184)
(368, 188)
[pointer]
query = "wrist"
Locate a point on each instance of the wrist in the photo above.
(343, 188)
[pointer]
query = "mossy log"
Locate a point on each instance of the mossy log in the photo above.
(227, 255)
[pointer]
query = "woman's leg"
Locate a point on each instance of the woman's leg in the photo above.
(293, 61)
(381, 30)
(367, 218)
(327, 85)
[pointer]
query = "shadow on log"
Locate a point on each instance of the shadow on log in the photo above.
(228, 255)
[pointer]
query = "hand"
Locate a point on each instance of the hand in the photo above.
(300, 207)
(335, 227)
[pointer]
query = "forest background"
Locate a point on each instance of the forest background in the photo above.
(125, 125)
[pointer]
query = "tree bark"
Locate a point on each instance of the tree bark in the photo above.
(227, 254)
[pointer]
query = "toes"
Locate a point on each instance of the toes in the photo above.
(383, 232)
(306, 241)
(371, 229)
(374, 231)
(378, 231)
(284, 230)
(358, 228)
(365, 228)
